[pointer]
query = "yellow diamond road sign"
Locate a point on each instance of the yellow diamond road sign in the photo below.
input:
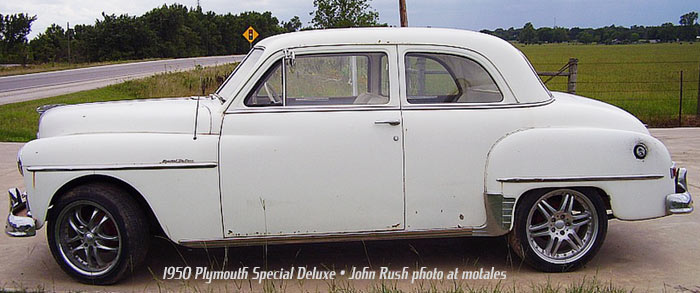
(250, 34)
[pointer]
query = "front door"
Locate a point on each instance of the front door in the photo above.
(315, 147)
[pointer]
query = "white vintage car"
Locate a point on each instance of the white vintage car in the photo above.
(341, 135)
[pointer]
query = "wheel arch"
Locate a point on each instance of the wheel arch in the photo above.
(155, 225)
(585, 189)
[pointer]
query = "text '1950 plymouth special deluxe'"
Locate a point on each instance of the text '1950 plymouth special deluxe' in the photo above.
(341, 135)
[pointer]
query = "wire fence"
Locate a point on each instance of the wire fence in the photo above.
(660, 93)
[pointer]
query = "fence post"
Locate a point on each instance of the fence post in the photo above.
(573, 72)
(680, 101)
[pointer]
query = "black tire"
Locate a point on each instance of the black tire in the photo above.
(112, 242)
(532, 234)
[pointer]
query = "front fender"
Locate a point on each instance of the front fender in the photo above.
(175, 174)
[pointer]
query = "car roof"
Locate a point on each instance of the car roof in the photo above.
(375, 35)
(509, 61)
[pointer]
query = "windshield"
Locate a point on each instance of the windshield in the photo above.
(234, 80)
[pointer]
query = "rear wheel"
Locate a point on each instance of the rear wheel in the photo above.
(97, 233)
(559, 230)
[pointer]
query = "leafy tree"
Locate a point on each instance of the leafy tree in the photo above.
(667, 32)
(344, 13)
(545, 34)
(122, 37)
(585, 37)
(174, 38)
(292, 25)
(14, 29)
(560, 34)
(51, 45)
(634, 37)
(528, 35)
(689, 18)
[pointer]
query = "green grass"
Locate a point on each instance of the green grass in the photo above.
(19, 121)
(642, 78)
(53, 66)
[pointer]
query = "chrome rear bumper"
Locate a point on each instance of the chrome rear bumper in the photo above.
(19, 222)
(680, 202)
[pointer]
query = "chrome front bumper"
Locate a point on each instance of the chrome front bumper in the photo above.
(680, 202)
(19, 222)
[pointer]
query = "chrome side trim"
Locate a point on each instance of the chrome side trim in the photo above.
(296, 109)
(326, 237)
(467, 106)
(507, 207)
(123, 167)
(583, 178)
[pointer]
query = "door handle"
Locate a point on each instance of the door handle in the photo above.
(390, 122)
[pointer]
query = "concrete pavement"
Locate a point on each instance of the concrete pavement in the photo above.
(17, 88)
(647, 256)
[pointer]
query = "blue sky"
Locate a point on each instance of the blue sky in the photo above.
(466, 14)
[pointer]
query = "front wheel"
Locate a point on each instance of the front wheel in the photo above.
(97, 233)
(559, 230)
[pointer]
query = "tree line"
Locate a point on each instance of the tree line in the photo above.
(687, 30)
(165, 32)
(174, 31)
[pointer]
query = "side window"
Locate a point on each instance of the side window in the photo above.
(324, 79)
(442, 78)
(268, 92)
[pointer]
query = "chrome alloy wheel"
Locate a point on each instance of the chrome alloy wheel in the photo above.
(88, 238)
(562, 226)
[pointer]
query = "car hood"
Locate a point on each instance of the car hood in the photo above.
(173, 115)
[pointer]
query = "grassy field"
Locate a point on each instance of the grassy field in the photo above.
(19, 121)
(643, 79)
(34, 68)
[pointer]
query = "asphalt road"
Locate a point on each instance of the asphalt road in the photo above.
(660, 255)
(33, 86)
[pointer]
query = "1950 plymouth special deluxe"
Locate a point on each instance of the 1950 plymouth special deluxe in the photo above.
(340, 135)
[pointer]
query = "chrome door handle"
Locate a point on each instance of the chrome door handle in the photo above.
(390, 122)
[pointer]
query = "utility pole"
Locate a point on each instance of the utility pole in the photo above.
(402, 13)
(68, 33)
